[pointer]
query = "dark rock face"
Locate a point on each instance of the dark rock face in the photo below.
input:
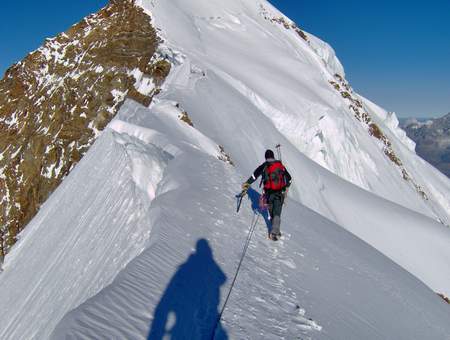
(55, 101)
(432, 139)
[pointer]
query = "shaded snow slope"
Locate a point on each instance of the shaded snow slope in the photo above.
(318, 271)
(92, 225)
(193, 201)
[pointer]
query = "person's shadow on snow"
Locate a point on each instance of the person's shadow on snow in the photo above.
(254, 198)
(189, 306)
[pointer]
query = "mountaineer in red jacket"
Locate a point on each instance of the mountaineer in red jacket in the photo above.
(276, 180)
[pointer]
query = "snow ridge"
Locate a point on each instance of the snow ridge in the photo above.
(282, 287)
(141, 241)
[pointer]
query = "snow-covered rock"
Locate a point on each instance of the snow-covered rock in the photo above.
(55, 101)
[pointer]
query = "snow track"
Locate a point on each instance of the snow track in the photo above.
(320, 282)
(184, 218)
(125, 266)
(311, 284)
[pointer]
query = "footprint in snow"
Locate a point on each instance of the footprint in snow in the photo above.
(302, 322)
(288, 263)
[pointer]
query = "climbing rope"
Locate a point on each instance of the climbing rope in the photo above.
(244, 252)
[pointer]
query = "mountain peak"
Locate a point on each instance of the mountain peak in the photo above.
(142, 239)
(60, 96)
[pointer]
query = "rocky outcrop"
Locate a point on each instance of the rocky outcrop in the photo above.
(283, 21)
(55, 102)
(357, 108)
(446, 299)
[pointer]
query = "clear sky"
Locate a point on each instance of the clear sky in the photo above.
(395, 52)
(25, 24)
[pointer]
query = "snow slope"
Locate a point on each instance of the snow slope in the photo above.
(318, 271)
(318, 267)
(69, 251)
(142, 236)
(286, 79)
(248, 100)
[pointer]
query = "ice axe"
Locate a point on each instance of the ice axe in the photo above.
(278, 147)
(239, 198)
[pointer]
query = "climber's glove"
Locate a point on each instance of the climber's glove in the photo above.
(245, 187)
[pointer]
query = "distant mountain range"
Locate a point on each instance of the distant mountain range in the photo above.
(432, 137)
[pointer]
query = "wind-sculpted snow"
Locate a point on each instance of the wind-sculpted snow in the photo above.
(117, 257)
(311, 284)
(327, 54)
(91, 227)
(389, 120)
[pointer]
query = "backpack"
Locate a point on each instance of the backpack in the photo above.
(274, 176)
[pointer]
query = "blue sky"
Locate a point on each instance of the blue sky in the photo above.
(396, 53)
(25, 24)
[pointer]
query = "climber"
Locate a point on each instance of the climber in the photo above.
(276, 180)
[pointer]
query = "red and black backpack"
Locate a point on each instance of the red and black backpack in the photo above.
(274, 176)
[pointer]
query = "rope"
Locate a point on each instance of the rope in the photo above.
(244, 251)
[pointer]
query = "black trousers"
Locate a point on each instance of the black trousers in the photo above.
(275, 200)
